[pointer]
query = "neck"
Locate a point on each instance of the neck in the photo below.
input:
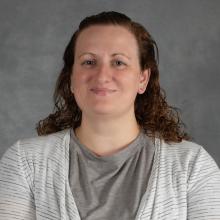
(105, 137)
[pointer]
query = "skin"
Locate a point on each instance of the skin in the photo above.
(106, 78)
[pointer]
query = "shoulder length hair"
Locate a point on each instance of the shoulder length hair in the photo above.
(152, 111)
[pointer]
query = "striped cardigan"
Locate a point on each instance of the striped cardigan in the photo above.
(184, 182)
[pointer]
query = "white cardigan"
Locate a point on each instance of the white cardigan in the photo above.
(184, 182)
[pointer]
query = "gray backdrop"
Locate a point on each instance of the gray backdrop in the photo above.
(33, 35)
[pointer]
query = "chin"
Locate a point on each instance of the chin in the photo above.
(103, 112)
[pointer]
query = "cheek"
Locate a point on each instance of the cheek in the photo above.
(77, 79)
(131, 81)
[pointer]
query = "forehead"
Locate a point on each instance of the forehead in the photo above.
(107, 37)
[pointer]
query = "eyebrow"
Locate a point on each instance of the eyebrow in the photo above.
(114, 54)
(86, 53)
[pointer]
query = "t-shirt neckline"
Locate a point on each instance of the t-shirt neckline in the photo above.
(124, 153)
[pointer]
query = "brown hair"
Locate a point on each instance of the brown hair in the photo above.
(152, 112)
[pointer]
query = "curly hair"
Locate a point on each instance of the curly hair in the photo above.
(153, 114)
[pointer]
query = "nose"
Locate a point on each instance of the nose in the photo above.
(104, 73)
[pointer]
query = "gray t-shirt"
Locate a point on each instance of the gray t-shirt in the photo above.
(110, 187)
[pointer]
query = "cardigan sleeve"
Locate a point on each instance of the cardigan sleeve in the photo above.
(16, 186)
(204, 188)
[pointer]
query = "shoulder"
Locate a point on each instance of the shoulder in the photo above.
(184, 150)
(186, 156)
(44, 146)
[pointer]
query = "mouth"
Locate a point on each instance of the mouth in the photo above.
(102, 91)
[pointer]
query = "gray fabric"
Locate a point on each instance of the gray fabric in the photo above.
(110, 187)
(34, 182)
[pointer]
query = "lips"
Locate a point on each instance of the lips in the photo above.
(102, 91)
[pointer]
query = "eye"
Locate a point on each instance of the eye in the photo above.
(89, 62)
(119, 63)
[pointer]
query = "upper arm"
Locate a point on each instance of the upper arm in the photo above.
(16, 193)
(204, 188)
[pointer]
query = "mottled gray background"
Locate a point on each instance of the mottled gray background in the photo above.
(33, 35)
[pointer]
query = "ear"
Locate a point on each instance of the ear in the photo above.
(71, 84)
(71, 89)
(144, 79)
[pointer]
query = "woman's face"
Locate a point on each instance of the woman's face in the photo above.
(106, 74)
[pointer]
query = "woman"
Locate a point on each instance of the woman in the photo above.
(113, 148)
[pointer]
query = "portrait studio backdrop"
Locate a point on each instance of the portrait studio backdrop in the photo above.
(33, 36)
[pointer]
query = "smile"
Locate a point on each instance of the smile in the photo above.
(102, 91)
